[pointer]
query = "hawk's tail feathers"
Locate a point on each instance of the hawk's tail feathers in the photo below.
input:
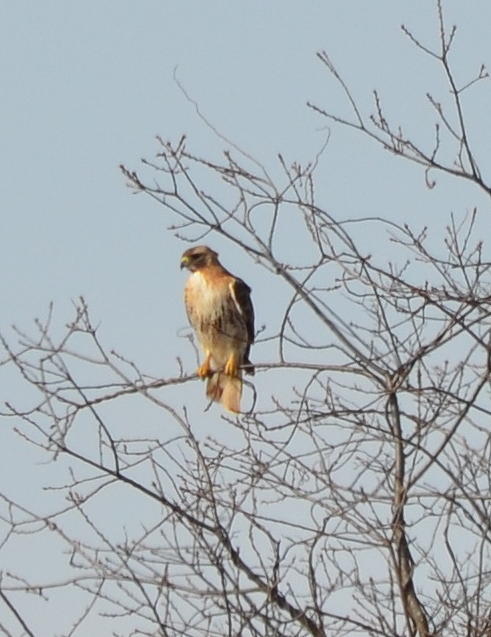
(226, 390)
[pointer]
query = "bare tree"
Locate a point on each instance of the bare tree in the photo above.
(353, 501)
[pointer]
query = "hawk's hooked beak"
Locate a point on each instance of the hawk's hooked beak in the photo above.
(184, 262)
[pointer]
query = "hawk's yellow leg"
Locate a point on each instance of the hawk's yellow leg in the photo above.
(204, 370)
(232, 365)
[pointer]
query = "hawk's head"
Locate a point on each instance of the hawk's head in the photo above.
(198, 257)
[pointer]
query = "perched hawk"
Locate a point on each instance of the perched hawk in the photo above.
(220, 311)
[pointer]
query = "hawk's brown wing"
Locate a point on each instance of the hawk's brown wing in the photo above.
(241, 294)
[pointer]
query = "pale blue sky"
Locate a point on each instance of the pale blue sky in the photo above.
(87, 86)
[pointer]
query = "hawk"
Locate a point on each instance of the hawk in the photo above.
(219, 308)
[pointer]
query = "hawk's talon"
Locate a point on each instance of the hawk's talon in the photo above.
(231, 367)
(204, 370)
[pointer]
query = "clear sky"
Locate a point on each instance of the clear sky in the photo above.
(87, 86)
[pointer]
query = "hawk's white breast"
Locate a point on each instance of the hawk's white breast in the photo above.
(206, 298)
